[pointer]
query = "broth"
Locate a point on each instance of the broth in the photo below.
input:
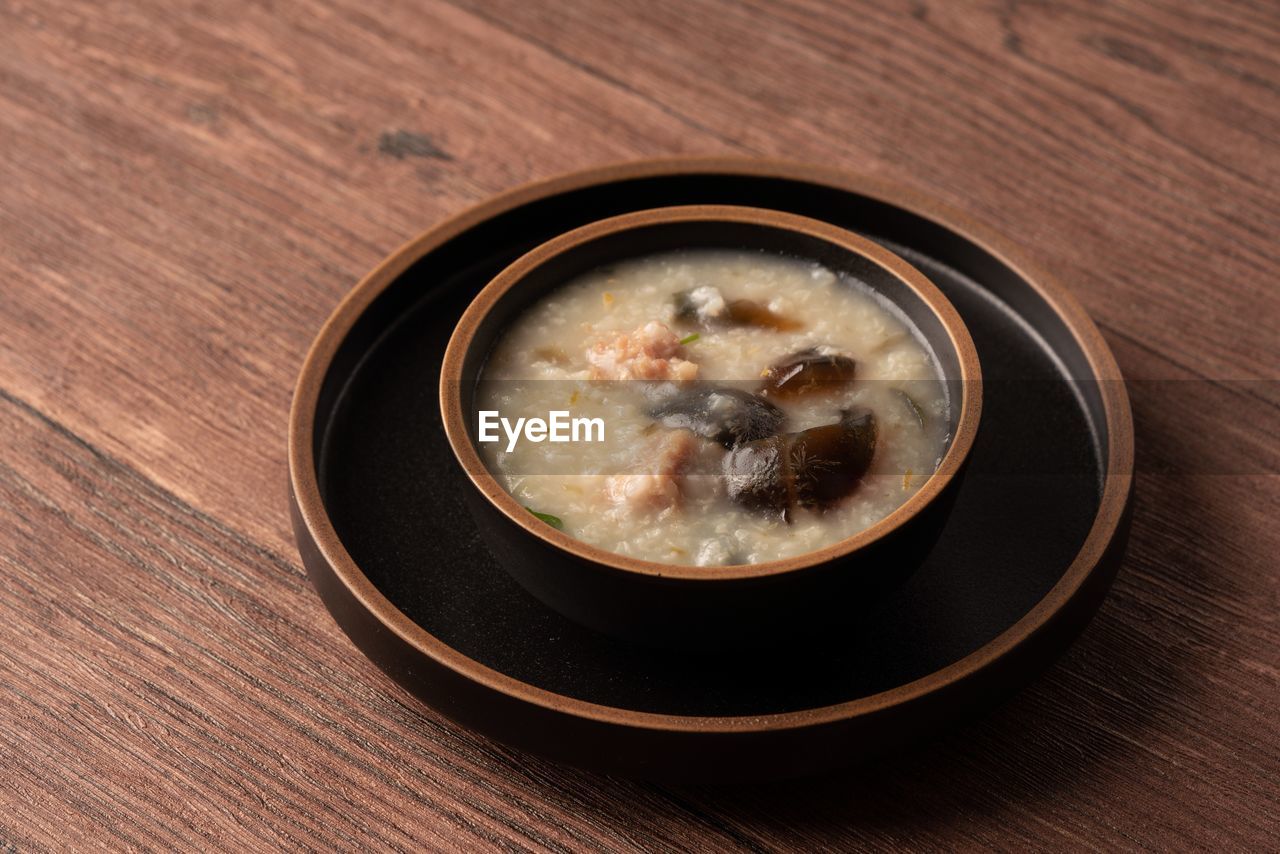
(672, 354)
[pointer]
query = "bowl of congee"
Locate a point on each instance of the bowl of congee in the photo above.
(710, 425)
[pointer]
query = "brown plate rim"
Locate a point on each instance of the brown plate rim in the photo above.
(482, 479)
(310, 510)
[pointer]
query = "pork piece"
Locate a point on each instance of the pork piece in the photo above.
(648, 353)
(659, 487)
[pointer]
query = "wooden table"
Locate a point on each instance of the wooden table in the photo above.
(187, 189)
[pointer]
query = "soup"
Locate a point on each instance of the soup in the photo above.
(711, 407)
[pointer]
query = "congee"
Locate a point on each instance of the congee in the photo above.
(711, 407)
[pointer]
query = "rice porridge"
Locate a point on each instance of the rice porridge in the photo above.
(735, 407)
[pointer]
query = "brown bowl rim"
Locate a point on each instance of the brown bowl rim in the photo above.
(1117, 485)
(511, 278)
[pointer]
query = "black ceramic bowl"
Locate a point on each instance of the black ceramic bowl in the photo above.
(698, 606)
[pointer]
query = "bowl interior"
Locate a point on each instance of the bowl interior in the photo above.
(894, 283)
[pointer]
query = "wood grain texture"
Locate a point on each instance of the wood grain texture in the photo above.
(186, 190)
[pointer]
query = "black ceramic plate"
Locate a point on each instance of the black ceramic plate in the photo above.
(1031, 546)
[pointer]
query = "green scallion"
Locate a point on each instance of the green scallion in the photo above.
(553, 521)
